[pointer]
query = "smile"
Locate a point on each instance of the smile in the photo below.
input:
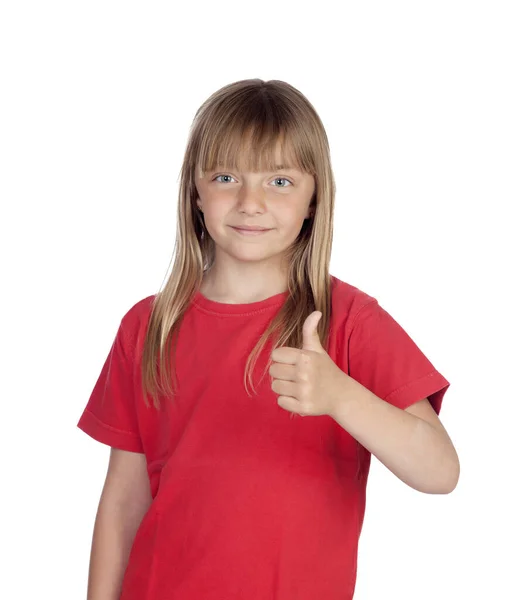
(251, 231)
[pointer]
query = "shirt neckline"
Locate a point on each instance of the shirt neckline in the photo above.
(223, 308)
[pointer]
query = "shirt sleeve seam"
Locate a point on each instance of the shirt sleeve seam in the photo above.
(356, 316)
(127, 345)
(410, 383)
(114, 429)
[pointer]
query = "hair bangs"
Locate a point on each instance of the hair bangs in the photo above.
(254, 149)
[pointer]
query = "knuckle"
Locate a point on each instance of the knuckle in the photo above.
(306, 409)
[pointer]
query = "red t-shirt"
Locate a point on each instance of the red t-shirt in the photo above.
(249, 504)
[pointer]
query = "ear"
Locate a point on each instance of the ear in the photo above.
(312, 208)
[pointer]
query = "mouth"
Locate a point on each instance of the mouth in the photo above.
(250, 230)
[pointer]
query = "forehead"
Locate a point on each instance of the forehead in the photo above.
(249, 155)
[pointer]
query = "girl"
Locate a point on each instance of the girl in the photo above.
(218, 487)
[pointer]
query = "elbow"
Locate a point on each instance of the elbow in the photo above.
(454, 478)
(448, 480)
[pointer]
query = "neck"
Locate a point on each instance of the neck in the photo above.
(242, 287)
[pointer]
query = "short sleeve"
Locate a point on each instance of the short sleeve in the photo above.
(110, 414)
(387, 361)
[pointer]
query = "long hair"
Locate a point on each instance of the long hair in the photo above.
(247, 119)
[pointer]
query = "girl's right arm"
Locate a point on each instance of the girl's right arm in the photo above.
(124, 501)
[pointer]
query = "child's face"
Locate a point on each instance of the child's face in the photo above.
(278, 200)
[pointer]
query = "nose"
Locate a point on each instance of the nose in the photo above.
(251, 200)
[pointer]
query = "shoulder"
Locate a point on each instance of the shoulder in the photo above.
(135, 319)
(350, 302)
(140, 309)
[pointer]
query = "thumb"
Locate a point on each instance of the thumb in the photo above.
(310, 338)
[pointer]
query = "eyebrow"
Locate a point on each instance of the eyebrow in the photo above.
(277, 168)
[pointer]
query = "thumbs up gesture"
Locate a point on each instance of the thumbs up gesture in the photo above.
(309, 381)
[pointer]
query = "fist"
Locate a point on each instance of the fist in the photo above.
(308, 382)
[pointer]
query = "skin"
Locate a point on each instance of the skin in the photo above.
(412, 443)
(250, 268)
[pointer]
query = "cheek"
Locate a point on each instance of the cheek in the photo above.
(217, 208)
(219, 205)
(291, 222)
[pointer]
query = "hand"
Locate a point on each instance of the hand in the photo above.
(309, 381)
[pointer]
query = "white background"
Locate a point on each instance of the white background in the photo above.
(96, 103)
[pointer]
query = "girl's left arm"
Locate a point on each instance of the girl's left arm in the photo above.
(412, 443)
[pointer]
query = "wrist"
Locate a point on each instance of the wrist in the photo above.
(350, 392)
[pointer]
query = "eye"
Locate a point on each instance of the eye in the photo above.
(275, 179)
(282, 179)
(215, 178)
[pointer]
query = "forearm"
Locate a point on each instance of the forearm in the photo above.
(114, 532)
(419, 454)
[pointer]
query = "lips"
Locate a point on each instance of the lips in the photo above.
(250, 228)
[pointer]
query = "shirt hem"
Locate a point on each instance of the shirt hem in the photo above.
(101, 432)
(433, 386)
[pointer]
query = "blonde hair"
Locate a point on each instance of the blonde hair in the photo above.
(247, 118)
